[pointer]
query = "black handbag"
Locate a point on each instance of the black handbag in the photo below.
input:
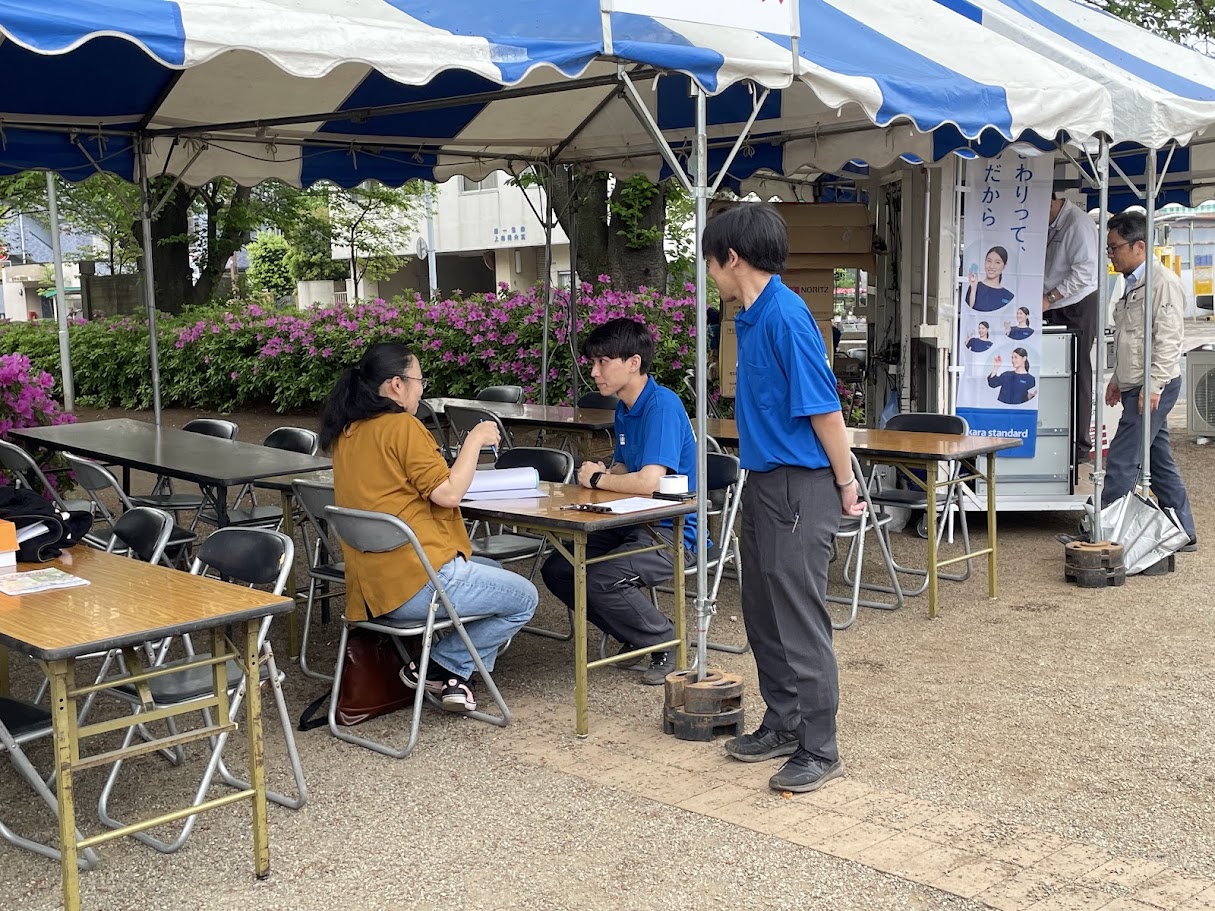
(63, 529)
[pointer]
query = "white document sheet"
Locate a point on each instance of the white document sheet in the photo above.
(471, 497)
(519, 480)
(635, 504)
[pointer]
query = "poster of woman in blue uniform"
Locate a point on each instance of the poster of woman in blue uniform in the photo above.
(1017, 386)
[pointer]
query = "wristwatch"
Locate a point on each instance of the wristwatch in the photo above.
(595, 479)
(1054, 297)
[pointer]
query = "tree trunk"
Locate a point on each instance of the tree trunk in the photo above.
(581, 205)
(633, 267)
(170, 247)
(224, 240)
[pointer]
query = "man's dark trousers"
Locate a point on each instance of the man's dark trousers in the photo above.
(790, 517)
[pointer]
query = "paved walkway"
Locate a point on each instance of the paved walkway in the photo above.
(1008, 867)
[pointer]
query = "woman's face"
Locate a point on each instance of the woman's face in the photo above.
(993, 265)
(982, 330)
(1022, 318)
(1018, 361)
(406, 390)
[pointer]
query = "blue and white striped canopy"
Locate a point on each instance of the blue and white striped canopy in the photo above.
(305, 90)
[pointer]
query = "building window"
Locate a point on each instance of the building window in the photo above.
(468, 185)
(563, 279)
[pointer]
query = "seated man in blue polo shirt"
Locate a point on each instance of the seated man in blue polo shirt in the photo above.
(653, 438)
(794, 446)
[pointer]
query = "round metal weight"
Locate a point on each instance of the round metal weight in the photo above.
(1103, 555)
(712, 697)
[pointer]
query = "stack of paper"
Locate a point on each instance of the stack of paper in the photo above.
(38, 580)
(504, 484)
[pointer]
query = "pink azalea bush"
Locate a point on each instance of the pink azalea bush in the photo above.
(245, 354)
(26, 401)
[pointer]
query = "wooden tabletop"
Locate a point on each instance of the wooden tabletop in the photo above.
(127, 602)
(893, 443)
(547, 512)
(191, 456)
(538, 415)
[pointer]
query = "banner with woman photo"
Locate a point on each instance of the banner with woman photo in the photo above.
(1007, 211)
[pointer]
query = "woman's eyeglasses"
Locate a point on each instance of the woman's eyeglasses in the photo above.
(417, 379)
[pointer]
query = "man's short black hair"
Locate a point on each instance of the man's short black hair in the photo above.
(753, 230)
(1130, 226)
(621, 338)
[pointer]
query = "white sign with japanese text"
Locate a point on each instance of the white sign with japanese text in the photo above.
(1007, 212)
(777, 17)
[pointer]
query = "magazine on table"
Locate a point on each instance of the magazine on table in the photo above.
(38, 580)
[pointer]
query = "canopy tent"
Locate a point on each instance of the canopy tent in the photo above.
(400, 89)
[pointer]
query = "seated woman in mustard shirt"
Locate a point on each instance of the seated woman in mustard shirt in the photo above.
(1017, 385)
(385, 460)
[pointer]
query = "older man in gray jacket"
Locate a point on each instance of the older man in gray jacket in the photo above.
(1155, 394)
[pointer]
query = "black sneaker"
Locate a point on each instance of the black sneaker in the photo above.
(805, 772)
(458, 695)
(1190, 548)
(1072, 539)
(641, 664)
(434, 677)
(762, 744)
(661, 664)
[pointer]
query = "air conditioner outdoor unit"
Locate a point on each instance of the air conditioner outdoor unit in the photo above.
(1200, 391)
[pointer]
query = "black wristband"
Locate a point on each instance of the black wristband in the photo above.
(595, 479)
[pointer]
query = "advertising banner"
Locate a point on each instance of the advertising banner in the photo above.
(1007, 213)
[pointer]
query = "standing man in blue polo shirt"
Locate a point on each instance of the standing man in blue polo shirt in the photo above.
(653, 439)
(794, 445)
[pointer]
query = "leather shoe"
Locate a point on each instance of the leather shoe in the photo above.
(805, 772)
(761, 745)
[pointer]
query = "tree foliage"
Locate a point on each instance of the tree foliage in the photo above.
(1190, 22)
(372, 223)
(268, 271)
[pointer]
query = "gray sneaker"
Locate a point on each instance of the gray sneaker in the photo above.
(762, 744)
(805, 772)
(661, 664)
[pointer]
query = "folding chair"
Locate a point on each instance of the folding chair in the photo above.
(916, 498)
(252, 556)
(287, 439)
(555, 465)
(724, 483)
(462, 420)
(426, 414)
(20, 723)
(163, 496)
(96, 479)
(326, 568)
(142, 533)
(511, 395)
(598, 401)
(26, 473)
(854, 529)
(377, 532)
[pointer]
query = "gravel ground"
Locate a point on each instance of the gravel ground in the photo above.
(1078, 713)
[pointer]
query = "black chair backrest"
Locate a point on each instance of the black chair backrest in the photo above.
(512, 395)
(293, 439)
(463, 420)
(313, 498)
(721, 470)
(426, 414)
(15, 459)
(254, 556)
(598, 400)
(212, 427)
(925, 422)
(555, 465)
(143, 530)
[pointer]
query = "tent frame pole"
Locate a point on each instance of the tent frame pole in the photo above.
(1102, 319)
(149, 277)
(61, 314)
(1145, 391)
(700, 193)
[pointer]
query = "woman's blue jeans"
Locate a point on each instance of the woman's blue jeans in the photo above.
(479, 586)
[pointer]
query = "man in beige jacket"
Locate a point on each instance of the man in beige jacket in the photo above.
(1155, 395)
